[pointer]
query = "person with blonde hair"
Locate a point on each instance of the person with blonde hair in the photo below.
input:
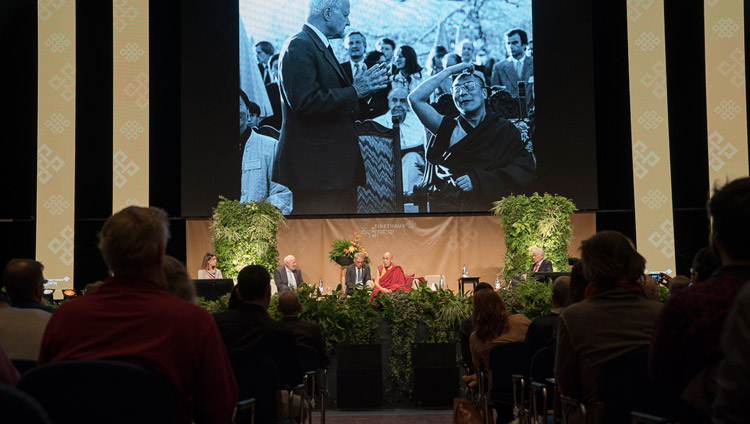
(208, 269)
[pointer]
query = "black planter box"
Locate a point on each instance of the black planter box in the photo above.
(359, 376)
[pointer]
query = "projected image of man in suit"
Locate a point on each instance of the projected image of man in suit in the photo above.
(318, 156)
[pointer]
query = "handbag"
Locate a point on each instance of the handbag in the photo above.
(466, 412)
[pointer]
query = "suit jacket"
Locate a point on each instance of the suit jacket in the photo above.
(308, 333)
(350, 278)
(319, 147)
(262, 69)
(282, 280)
(504, 73)
(545, 266)
(373, 106)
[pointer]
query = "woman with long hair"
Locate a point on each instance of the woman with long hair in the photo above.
(408, 72)
(208, 269)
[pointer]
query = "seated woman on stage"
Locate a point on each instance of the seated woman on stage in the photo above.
(208, 269)
(390, 277)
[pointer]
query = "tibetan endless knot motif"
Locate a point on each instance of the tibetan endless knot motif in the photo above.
(123, 168)
(57, 42)
(56, 204)
(64, 82)
(725, 28)
(647, 41)
(139, 90)
(664, 239)
(123, 14)
(643, 159)
(719, 151)
(656, 79)
(47, 162)
(654, 199)
(62, 245)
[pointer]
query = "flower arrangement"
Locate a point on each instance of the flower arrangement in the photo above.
(346, 248)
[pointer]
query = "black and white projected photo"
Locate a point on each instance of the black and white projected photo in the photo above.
(386, 106)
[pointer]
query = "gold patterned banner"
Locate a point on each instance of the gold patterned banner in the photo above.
(650, 134)
(726, 106)
(56, 114)
(130, 119)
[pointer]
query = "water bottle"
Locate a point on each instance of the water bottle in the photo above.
(320, 285)
(442, 283)
(497, 281)
(464, 272)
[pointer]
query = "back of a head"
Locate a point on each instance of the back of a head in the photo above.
(289, 304)
(705, 263)
(252, 282)
(490, 317)
(482, 286)
(134, 240)
(561, 291)
(22, 277)
(175, 279)
(678, 283)
(729, 208)
(608, 256)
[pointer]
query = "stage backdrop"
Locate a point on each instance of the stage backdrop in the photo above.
(421, 245)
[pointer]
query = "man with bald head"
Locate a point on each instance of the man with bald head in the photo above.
(476, 158)
(543, 330)
(306, 333)
(390, 277)
(288, 276)
(318, 155)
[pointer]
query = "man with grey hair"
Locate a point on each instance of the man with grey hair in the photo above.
(357, 274)
(130, 318)
(318, 155)
(474, 159)
(539, 264)
(288, 276)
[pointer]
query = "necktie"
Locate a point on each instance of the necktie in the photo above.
(536, 267)
(359, 275)
(519, 68)
(292, 280)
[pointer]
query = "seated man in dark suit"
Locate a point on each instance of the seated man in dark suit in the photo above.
(307, 333)
(357, 274)
(542, 331)
(540, 264)
(288, 276)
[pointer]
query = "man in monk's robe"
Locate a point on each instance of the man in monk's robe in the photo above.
(476, 158)
(390, 277)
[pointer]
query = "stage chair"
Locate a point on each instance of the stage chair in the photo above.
(509, 365)
(20, 407)
(381, 152)
(433, 281)
(274, 289)
(98, 391)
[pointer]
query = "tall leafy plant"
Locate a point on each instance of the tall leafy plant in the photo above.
(534, 221)
(245, 234)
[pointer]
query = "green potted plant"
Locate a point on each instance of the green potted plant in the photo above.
(343, 250)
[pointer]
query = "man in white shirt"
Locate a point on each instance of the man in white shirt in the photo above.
(288, 276)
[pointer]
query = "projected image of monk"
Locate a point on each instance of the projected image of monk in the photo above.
(475, 158)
